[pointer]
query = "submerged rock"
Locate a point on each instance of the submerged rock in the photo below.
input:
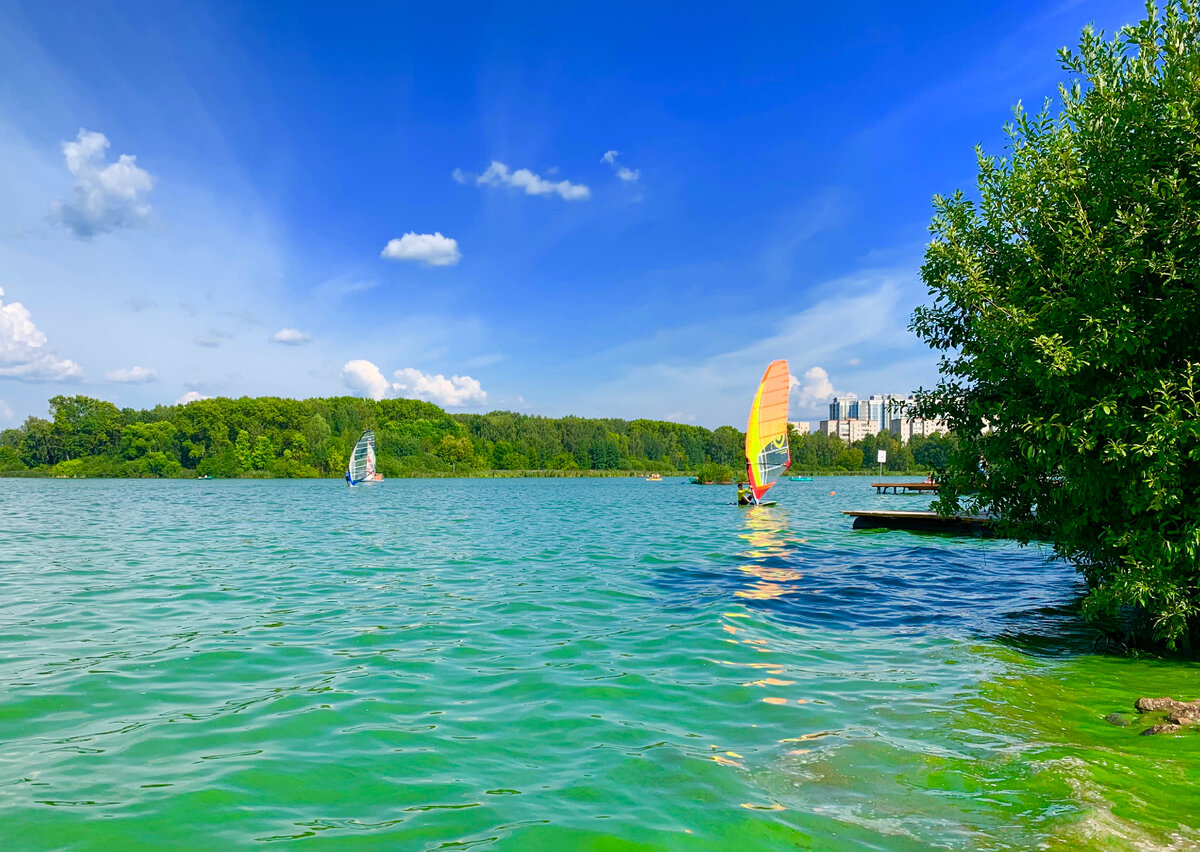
(1147, 705)
(1118, 719)
(1161, 728)
(1179, 714)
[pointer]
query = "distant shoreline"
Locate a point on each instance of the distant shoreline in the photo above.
(475, 474)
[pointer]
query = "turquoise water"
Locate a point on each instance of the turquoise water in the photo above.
(553, 664)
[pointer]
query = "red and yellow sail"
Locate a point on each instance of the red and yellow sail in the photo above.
(766, 432)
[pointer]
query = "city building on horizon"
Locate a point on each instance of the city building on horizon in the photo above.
(852, 419)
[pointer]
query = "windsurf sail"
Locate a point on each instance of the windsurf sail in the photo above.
(362, 460)
(766, 432)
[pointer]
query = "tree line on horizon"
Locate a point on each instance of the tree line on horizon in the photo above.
(275, 437)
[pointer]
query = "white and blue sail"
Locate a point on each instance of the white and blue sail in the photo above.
(361, 469)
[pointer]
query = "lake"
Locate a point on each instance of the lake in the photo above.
(554, 664)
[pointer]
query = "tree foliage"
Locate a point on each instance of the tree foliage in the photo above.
(268, 436)
(1067, 303)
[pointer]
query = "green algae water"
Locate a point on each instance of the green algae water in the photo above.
(555, 664)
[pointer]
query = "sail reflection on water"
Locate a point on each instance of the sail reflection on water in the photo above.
(769, 554)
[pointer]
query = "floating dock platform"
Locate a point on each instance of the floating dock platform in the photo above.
(905, 487)
(925, 521)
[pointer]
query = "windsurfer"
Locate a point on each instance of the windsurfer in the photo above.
(745, 494)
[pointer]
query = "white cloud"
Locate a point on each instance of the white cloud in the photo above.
(455, 391)
(191, 396)
(498, 174)
(814, 389)
(429, 249)
(6, 413)
(364, 378)
(291, 337)
(23, 350)
(625, 174)
(133, 375)
(107, 196)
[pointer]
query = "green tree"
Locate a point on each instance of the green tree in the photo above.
(84, 426)
(243, 450)
(10, 459)
(456, 450)
(850, 458)
(38, 445)
(263, 453)
(1067, 302)
(932, 452)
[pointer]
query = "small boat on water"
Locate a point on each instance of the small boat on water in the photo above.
(361, 469)
(800, 478)
(654, 477)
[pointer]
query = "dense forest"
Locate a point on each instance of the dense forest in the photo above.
(269, 436)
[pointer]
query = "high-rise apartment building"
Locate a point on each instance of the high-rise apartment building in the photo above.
(844, 407)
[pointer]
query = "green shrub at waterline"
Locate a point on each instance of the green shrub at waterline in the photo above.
(1068, 303)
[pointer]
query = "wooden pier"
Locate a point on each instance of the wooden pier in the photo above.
(905, 487)
(925, 521)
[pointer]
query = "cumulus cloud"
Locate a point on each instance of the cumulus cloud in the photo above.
(365, 378)
(429, 249)
(291, 337)
(625, 174)
(133, 375)
(6, 413)
(498, 174)
(23, 350)
(191, 396)
(813, 389)
(455, 391)
(107, 196)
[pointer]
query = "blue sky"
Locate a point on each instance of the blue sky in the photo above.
(415, 199)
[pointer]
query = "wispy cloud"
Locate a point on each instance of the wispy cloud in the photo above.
(498, 174)
(132, 375)
(139, 303)
(6, 413)
(107, 196)
(625, 174)
(429, 249)
(483, 360)
(291, 337)
(343, 285)
(211, 340)
(864, 313)
(23, 350)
